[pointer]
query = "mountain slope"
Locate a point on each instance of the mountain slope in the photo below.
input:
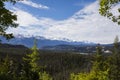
(42, 42)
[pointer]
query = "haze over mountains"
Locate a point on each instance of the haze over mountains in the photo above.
(56, 45)
(42, 42)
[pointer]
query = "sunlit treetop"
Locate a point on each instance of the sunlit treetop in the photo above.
(105, 9)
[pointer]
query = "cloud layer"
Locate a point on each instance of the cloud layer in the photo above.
(85, 25)
(35, 5)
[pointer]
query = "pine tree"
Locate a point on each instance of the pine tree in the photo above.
(32, 67)
(99, 62)
(114, 61)
(5, 69)
(34, 58)
(98, 71)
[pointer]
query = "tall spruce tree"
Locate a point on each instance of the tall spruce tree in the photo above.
(98, 71)
(32, 67)
(97, 64)
(114, 61)
(5, 69)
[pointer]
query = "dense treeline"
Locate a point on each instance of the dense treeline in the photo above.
(58, 64)
(61, 65)
(104, 68)
(27, 69)
(24, 64)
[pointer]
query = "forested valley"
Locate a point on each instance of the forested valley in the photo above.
(18, 62)
(22, 63)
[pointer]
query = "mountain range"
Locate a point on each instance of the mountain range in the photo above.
(56, 45)
(42, 42)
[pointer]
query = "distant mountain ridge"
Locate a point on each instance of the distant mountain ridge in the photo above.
(54, 45)
(11, 46)
(78, 48)
(42, 42)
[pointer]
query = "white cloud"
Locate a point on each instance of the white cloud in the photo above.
(85, 25)
(25, 19)
(35, 5)
(82, 3)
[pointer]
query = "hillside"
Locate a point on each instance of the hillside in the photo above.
(57, 64)
(42, 42)
(13, 49)
(77, 48)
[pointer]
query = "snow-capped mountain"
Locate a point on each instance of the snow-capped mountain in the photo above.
(42, 42)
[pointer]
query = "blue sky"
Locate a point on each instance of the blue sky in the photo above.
(58, 9)
(76, 20)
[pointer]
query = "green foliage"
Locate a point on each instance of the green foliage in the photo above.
(33, 58)
(114, 62)
(32, 67)
(103, 69)
(98, 71)
(93, 75)
(60, 65)
(44, 76)
(100, 63)
(26, 69)
(7, 19)
(105, 9)
(6, 72)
